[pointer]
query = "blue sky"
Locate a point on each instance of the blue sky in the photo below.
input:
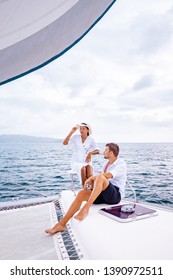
(119, 79)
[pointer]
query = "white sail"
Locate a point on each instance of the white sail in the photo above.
(35, 32)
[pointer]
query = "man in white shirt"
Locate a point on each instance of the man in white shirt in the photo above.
(108, 187)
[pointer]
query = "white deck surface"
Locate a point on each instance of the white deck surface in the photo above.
(22, 235)
(103, 238)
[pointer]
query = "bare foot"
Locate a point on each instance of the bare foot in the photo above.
(57, 228)
(82, 214)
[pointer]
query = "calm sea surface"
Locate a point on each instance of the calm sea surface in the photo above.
(35, 167)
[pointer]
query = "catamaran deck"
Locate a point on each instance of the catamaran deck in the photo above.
(22, 234)
(103, 238)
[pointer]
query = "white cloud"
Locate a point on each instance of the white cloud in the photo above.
(144, 82)
(118, 78)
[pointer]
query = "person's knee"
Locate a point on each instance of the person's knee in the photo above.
(100, 177)
(83, 169)
(81, 194)
(101, 181)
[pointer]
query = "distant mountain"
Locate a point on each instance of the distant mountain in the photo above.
(27, 139)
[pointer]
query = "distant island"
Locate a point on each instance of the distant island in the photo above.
(27, 139)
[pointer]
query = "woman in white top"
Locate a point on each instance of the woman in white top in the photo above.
(83, 146)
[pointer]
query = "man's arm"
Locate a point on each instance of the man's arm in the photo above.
(91, 179)
(107, 175)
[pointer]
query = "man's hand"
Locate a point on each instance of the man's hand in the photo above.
(89, 182)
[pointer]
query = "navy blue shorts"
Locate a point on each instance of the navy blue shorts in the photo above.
(110, 195)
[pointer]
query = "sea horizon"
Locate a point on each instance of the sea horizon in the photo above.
(33, 166)
(25, 137)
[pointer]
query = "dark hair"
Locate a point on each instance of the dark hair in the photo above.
(86, 127)
(114, 148)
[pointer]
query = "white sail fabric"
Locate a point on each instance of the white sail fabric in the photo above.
(35, 32)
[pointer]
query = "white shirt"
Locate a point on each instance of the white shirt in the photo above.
(81, 150)
(119, 172)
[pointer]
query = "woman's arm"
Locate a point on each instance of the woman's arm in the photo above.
(88, 157)
(66, 140)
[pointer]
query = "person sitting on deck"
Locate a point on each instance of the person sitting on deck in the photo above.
(83, 147)
(108, 188)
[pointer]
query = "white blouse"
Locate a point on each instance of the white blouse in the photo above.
(81, 150)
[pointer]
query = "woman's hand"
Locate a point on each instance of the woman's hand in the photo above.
(73, 129)
(88, 157)
(66, 140)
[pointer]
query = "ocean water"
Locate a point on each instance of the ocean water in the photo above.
(32, 167)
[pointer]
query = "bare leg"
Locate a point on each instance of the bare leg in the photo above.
(83, 175)
(89, 173)
(83, 195)
(101, 183)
